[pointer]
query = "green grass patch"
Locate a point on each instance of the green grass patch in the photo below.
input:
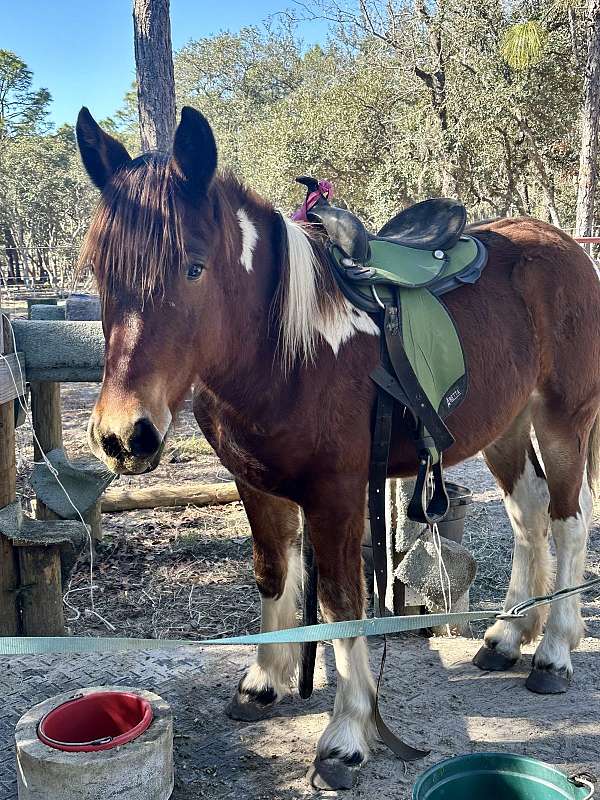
(188, 448)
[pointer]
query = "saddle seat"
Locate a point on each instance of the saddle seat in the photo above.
(434, 224)
(422, 246)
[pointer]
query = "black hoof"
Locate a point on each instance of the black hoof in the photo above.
(251, 706)
(332, 774)
(543, 681)
(491, 660)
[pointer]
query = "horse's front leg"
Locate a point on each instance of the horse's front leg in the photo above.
(335, 513)
(275, 525)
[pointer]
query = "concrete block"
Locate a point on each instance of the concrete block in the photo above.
(43, 311)
(139, 770)
(60, 351)
(84, 479)
(420, 570)
(83, 307)
(406, 530)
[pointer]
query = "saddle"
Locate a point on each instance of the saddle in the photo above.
(398, 275)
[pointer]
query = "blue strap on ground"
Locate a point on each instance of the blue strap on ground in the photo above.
(40, 645)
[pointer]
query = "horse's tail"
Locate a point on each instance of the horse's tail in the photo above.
(593, 463)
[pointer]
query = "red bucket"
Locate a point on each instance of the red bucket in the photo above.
(97, 721)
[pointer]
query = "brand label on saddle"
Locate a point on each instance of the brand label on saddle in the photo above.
(452, 398)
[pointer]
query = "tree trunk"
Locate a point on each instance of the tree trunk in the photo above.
(24, 254)
(12, 254)
(155, 79)
(590, 115)
(545, 179)
(435, 80)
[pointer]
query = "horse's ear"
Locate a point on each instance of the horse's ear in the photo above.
(194, 153)
(102, 155)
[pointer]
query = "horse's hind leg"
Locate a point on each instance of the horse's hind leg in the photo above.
(514, 464)
(275, 525)
(563, 438)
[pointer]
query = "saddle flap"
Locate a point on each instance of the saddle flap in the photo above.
(404, 266)
(433, 347)
(434, 224)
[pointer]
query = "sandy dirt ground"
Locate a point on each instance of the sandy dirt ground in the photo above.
(179, 573)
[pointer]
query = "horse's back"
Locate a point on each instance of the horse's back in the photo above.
(530, 324)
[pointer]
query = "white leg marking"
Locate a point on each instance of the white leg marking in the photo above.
(527, 508)
(275, 665)
(565, 627)
(249, 238)
(352, 728)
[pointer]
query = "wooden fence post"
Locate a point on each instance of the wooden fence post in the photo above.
(9, 570)
(47, 426)
(42, 605)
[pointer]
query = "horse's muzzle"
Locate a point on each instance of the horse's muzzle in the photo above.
(133, 451)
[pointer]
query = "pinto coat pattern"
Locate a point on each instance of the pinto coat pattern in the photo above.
(204, 284)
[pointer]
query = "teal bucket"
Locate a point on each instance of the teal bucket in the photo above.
(498, 776)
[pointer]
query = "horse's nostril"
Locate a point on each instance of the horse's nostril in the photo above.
(111, 444)
(144, 439)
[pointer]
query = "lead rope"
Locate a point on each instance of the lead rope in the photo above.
(323, 632)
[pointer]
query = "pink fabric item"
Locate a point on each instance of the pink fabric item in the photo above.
(325, 188)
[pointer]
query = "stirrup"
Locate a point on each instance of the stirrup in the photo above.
(434, 511)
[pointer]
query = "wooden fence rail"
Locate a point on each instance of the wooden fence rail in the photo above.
(50, 352)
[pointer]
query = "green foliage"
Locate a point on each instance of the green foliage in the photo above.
(22, 109)
(45, 199)
(479, 99)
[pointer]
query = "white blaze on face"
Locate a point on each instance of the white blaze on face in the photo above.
(126, 406)
(249, 239)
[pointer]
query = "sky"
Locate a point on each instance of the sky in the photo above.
(82, 50)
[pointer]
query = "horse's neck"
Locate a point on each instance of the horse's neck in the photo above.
(245, 368)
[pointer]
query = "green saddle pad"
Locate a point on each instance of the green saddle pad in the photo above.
(412, 278)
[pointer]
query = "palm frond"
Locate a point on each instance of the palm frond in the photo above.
(523, 44)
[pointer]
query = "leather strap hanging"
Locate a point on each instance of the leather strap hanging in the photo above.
(380, 446)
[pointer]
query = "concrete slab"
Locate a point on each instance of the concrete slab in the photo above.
(432, 696)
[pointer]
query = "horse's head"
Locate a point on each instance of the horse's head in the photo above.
(152, 243)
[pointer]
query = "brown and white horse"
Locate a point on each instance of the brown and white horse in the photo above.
(203, 284)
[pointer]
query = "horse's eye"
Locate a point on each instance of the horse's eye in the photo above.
(194, 271)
